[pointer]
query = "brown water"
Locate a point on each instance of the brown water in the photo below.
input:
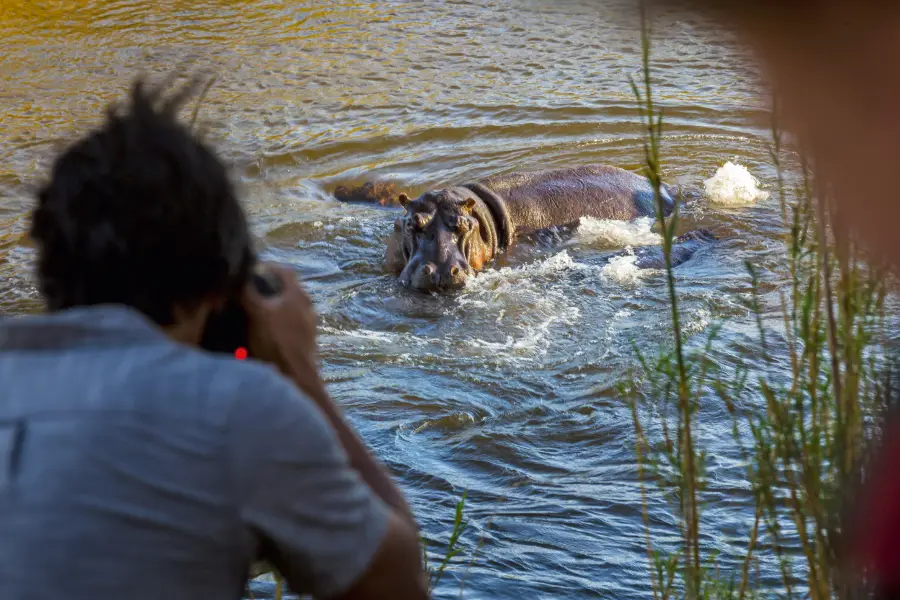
(508, 390)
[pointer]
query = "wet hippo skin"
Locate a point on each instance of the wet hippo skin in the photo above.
(446, 236)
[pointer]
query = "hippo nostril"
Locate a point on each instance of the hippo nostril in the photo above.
(454, 271)
(428, 269)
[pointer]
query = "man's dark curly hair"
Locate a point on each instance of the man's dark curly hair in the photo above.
(140, 212)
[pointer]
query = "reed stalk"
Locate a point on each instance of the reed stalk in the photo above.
(803, 440)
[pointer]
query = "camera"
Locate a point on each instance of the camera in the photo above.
(228, 330)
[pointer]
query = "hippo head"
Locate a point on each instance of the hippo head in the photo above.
(442, 240)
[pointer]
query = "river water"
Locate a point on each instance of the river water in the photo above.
(508, 390)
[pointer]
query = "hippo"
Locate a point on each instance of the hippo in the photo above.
(446, 236)
(683, 249)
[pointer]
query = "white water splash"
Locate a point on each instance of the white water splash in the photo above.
(376, 337)
(733, 185)
(623, 270)
(509, 276)
(531, 342)
(618, 234)
(522, 307)
(697, 321)
(528, 303)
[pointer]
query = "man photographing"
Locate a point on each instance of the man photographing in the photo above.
(134, 464)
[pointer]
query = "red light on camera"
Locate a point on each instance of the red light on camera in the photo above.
(240, 353)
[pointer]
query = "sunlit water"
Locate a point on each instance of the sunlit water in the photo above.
(508, 390)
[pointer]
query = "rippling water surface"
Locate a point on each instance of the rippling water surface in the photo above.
(509, 389)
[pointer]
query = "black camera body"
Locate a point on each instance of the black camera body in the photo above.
(228, 329)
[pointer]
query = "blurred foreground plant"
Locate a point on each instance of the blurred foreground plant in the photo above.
(802, 431)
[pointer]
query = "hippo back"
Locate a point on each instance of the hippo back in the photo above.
(541, 199)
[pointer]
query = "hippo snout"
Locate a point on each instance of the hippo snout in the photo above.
(430, 277)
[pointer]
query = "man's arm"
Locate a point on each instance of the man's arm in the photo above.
(315, 517)
(361, 459)
(283, 333)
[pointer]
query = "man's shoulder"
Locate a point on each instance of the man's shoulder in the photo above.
(245, 379)
(185, 384)
(112, 359)
(220, 384)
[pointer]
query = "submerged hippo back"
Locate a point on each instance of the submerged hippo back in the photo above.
(548, 198)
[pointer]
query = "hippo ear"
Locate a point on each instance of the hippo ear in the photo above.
(403, 199)
(468, 203)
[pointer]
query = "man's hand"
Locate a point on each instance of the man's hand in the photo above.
(283, 330)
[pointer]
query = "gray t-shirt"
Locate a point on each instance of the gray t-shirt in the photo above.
(135, 467)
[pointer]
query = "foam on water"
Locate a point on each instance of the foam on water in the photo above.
(528, 301)
(696, 321)
(521, 307)
(733, 185)
(494, 278)
(617, 234)
(623, 270)
(532, 342)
